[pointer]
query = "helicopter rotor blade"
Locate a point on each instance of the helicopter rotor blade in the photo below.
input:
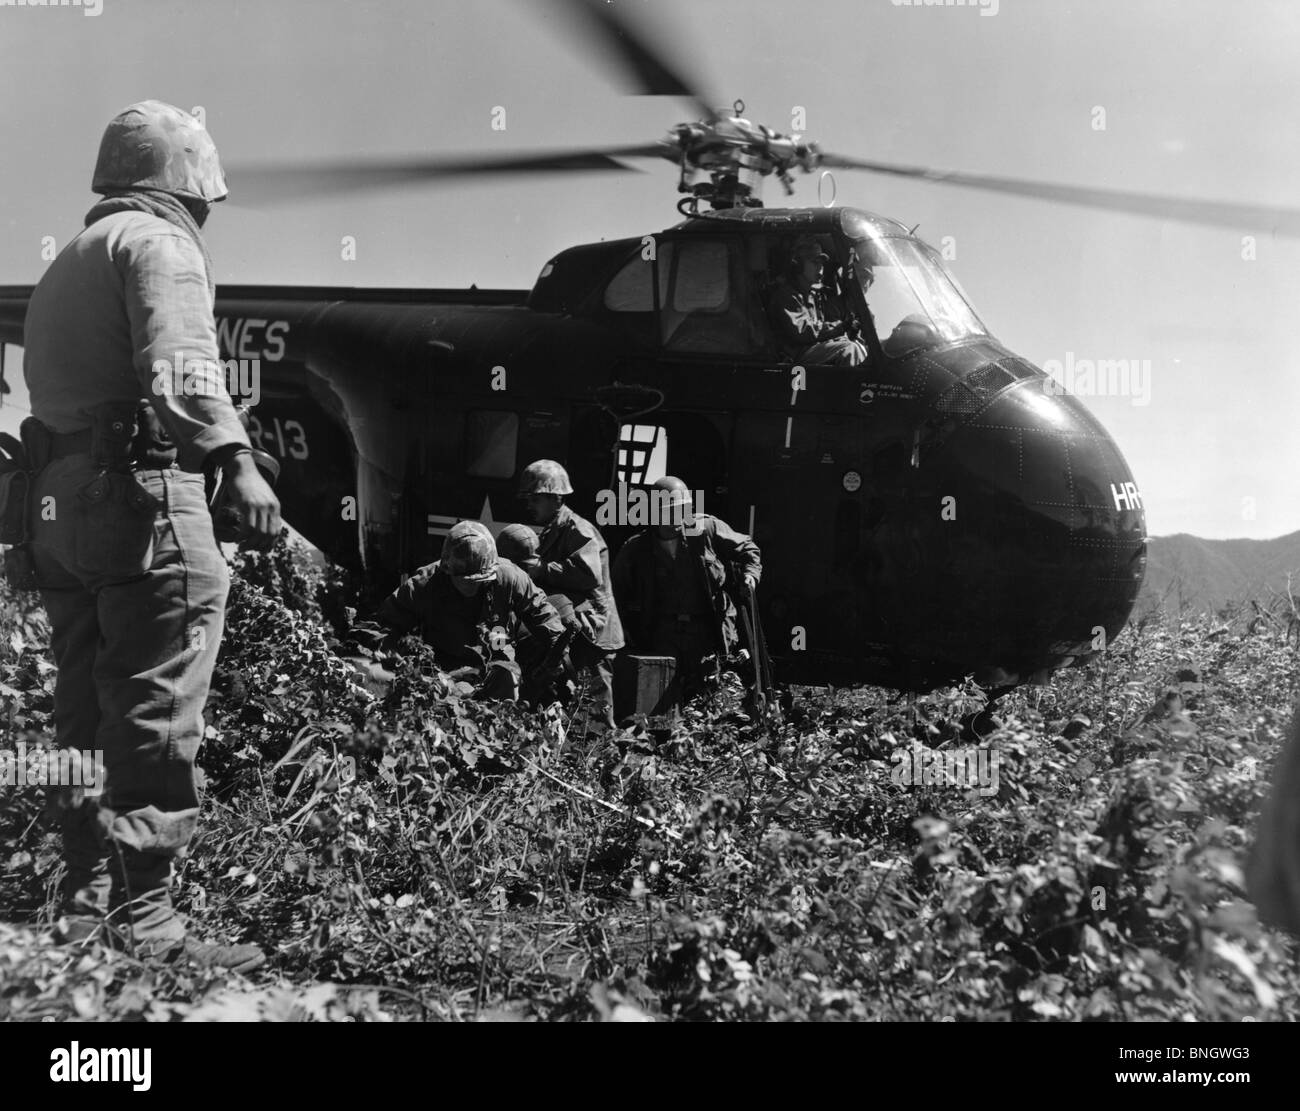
(644, 63)
(270, 182)
(1218, 213)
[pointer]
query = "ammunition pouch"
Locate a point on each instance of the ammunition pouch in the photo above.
(123, 436)
(15, 498)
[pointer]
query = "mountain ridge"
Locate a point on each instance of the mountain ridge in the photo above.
(1198, 575)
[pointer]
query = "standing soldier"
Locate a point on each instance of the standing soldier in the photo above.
(122, 539)
(482, 616)
(671, 584)
(572, 566)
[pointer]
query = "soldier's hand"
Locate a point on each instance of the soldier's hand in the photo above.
(255, 501)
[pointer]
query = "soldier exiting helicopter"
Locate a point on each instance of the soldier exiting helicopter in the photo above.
(673, 584)
(810, 322)
(572, 566)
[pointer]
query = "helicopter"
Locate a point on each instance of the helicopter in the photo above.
(941, 510)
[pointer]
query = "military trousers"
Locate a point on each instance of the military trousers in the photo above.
(691, 643)
(135, 587)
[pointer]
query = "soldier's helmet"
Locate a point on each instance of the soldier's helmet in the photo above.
(545, 476)
(517, 543)
(679, 493)
(469, 552)
(152, 145)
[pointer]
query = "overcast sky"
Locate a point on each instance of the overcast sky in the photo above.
(1200, 99)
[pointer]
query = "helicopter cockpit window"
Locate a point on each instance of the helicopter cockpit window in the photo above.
(913, 301)
(490, 442)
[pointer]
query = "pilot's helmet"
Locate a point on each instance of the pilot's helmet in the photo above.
(807, 247)
(469, 552)
(152, 145)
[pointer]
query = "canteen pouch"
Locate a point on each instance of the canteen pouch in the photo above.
(15, 488)
(114, 526)
(20, 570)
(37, 445)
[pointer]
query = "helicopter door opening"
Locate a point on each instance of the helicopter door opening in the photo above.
(636, 453)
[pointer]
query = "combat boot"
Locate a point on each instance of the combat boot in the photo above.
(143, 910)
(87, 885)
(209, 954)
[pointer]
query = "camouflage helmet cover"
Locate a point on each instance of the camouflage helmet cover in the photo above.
(517, 543)
(545, 476)
(152, 145)
(469, 552)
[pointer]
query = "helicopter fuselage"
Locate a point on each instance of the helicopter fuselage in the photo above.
(942, 509)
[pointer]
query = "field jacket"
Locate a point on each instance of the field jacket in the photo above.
(458, 629)
(722, 557)
(574, 561)
(130, 291)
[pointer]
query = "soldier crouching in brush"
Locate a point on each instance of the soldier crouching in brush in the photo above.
(585, 615)
(485, 620)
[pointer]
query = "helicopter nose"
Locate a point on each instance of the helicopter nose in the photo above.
(1050, 520)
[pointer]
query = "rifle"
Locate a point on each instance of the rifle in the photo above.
(757, 648)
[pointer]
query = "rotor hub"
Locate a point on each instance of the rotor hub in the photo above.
(737, 155)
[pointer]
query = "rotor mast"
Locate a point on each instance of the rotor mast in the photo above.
(737, 155)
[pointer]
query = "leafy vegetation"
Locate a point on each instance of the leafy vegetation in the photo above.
(404, 852)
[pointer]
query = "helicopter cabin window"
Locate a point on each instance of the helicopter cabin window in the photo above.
(642, 454)
(630, 295)
(703, 307)
(490, 443)
(629, 290)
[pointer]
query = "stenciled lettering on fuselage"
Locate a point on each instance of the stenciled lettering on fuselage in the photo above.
(869, 392)
(250, 337)
(1126, 496)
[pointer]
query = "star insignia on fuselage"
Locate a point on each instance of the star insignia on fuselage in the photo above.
(440, 525)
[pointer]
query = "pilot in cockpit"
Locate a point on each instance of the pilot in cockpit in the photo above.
(810, 321)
